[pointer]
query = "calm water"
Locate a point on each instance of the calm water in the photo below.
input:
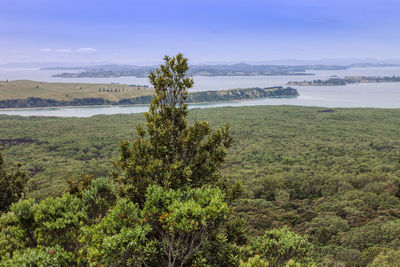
(383, 95)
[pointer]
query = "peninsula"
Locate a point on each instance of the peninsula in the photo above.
(347, 80)
(30, 94)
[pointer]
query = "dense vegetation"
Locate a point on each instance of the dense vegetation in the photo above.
(332, 175)
(34, 102)
(198, 97)
(12, 184)
(320, 185)
(241, 94)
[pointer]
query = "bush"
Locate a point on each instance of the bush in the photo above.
(278, 246)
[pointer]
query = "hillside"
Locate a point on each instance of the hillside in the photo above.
(29, 94)
(241, 94)
(68, 91)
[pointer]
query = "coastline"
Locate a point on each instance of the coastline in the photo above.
(193, 98)
(139, 105)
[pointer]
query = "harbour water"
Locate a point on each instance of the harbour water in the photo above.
(371, 95)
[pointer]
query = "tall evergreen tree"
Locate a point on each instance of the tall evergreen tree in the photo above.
(168, 152)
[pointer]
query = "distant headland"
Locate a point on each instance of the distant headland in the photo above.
(30, 94)
(347, 80)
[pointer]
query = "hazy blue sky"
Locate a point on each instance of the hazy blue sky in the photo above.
(130, 31)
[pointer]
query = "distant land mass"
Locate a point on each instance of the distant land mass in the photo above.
(113, 71)
(241, 69)
(347, 80)
(31, 94)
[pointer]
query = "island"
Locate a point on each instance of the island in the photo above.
(110, 96)
(115, 71)
(240, 69)
(334, 81)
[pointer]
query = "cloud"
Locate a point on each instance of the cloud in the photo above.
(64, 50)
(83, 50)
(86, 50)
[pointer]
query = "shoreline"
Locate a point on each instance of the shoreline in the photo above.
(137, 105)
(347, 80)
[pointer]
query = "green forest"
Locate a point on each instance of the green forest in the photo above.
(243, 186)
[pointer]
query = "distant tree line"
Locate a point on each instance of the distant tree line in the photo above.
(32, 102)
(241, 94)
(118, 90)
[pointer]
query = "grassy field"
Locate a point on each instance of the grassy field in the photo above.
(68, 91)
(332, 175)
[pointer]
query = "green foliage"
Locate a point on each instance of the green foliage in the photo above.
(368, 255)
(58, 221)
(12, 184)
(120, 238)
(99, 198)
(171, 228)
(50, 232)
(325, 227)
(278, 246)
(76, 186)
(386, 258)
(168, 152)
(315, 157)
(372, 234)
(17, 228)
(40, 256)
(53, 223)
(255, 261)
(185, 219)
(169, 168)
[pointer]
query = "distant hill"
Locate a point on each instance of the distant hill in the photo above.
(240, 69)
(68, 91)
(29, 94)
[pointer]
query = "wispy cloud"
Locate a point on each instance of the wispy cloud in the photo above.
(86, 50)
(64, 50)
(83, 50)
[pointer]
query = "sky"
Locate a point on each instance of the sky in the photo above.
(142, 32)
